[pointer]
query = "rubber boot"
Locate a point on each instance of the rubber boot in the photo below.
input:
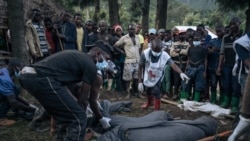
(226, 101)
(221, 98)
(110, 82)
(197, 96)
(213, 97)
(183, 96)
(157, 104)
(235, 104)
(149, 102)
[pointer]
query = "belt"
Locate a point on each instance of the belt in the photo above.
(28, 70)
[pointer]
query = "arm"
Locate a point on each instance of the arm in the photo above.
(17, 104)
(184, 51)
(82, 95)
(175, 67)
(94, 96)
(173, 52)
(120, 42)
(221, 58)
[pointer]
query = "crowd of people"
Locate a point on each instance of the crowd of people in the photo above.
(71, 61)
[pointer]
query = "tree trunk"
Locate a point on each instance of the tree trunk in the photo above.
(161, 14)
(97, 11)
(248, 20)
(113, 12)
(16, 26)
(145, 15)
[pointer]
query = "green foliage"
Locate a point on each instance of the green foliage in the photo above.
(192, 19)
(228, 5)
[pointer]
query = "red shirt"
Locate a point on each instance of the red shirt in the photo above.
(49, 38)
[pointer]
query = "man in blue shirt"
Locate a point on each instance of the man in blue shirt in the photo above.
(9, 93)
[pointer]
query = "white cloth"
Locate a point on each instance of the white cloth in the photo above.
(184, 77)
(140, 87)
(154, 71)
(206, 107)
(105, 122)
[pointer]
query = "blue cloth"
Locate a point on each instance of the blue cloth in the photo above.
(214, 80)
(55, 98)
(213, 57)
(69, 31)
(230, 84)
(196, 77)
(7, 86)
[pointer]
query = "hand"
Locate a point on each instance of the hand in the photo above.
(234, 69)
(218, 71)
(140, 87)
(204, 75)
(184, 76)
(60, 36)
(105, 122)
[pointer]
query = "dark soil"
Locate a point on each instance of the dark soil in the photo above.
(20, 132)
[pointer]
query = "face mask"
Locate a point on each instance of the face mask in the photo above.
(102, 65)
(196, 43)
(156, 54)
(17, 74)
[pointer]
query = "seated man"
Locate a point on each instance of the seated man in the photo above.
(9, 93)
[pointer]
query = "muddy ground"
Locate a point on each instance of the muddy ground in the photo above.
(20, 132)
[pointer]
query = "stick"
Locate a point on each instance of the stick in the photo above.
(60, 42)
(212, 138)
(169, 102)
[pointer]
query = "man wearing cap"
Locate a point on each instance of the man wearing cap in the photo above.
(48, 82)
(38, 45)
(9, 93)
(226, 64)
(152, 36)
(178, 52)
(131, 45)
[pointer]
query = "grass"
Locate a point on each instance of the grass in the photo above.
(20, 132)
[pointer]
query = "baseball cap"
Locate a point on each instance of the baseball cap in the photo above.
(152, 31)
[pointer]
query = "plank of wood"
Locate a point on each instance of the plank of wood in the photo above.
(169, 101)
(219, 135)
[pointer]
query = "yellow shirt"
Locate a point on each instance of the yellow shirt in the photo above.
(141, 38)
(131, 50)
(80, 35)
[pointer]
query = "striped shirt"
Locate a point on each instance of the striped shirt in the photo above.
(40, 33)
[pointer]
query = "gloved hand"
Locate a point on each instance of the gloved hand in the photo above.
(184, 77)
(140, 87)
(105, 122)
(243, 127)
(234, 69)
